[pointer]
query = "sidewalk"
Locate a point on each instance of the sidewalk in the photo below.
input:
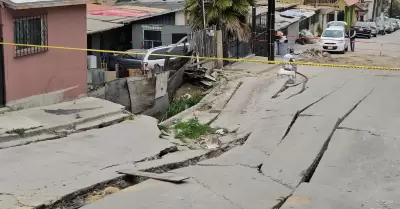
(259, 67)
(46, 122)
(44, 172)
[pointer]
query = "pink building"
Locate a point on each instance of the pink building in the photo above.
(33, 76)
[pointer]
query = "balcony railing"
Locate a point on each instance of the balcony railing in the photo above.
(330, 3)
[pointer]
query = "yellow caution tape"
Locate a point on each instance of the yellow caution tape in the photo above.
(209, 58)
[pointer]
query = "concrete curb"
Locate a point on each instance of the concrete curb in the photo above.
(43, 130)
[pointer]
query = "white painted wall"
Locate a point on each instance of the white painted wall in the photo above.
(368, 16)
(293, 32)
(180, 18)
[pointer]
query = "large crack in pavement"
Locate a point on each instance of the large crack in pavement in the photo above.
(309, 172)
(298, 113)
(78, 198)
(223, 196)
(359, 130)
(62, 133)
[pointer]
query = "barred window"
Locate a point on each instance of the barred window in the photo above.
(30, 31)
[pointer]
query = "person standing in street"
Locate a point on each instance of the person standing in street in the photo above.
(352, 36)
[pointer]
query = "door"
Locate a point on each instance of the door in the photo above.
(2, 79)
(151, 39)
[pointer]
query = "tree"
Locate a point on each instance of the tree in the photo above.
(394, 10)
(230, 16)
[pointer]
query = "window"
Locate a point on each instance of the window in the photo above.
(30, 31)
(159, 52)
(127, 56)
(333, 34)
(179, 50)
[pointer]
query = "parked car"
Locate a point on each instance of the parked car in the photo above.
(126, 61)
(363, 29)
(381, 29)
(374, 28)
(154, 55)
(395, 26)
(335, 39)
(390, 28)
(146, 59)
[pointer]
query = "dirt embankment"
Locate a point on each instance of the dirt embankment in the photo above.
(352, 58)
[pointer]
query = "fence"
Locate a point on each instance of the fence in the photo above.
(259, 42)
(205, 42)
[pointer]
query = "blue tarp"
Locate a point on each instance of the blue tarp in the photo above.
(291, 13)
(296, 13)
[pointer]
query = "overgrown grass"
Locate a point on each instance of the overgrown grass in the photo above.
(182, 104)
(191, 129)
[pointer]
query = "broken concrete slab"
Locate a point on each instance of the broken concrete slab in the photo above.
(34, 178)
(379, 113)
(359, 162)
(237, 106)
(240, 155)
(297, 155)
(318, 88)
(208, 185)
(341, 101)
(234, 182)
(60, 116)
(311, 196)
(180, 157)
(9, 123)
(262, 141)
(169, 196)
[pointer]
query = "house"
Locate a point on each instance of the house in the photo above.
(349, 8)
(39, 75)
(136, 24)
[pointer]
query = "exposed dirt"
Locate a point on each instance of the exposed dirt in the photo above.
(355, 58)
(100, 195)
(191, 89)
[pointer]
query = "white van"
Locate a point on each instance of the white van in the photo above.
(335, 39)
(154, 55)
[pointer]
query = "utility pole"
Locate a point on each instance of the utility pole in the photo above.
(204, 14)
(271, 30)
(315, 3)
(374, 11)
(390, 9)
(253, 27)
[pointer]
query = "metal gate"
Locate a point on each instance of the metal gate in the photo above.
(260, 42)
(2, 80)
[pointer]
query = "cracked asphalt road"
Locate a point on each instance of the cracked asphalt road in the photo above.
(332, 146)
(335, 145)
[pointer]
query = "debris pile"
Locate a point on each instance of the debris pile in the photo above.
(200, 76)
(309, 37)
(307, 53)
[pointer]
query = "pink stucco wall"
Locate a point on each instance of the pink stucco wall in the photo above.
(54, 69)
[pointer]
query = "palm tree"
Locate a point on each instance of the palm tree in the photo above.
(230, 16)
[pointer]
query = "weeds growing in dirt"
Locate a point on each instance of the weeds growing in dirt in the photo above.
(182, 104)
(191, 129)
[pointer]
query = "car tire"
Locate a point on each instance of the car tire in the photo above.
(346, 49)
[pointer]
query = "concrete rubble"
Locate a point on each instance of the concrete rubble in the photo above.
(313, 52)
